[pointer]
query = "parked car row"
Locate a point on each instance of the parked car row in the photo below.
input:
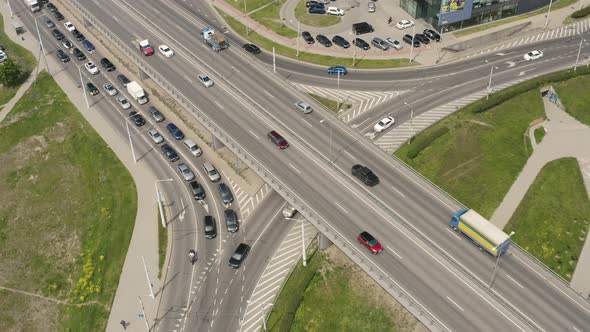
(316, 7)
(382, 44)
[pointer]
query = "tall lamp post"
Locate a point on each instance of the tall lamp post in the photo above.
(442, 31)
(303, 253)
(579, 51)
(265, 306)
(497, 262)
(490, 79)
(84, 94)
(547, 15)
(159, 199)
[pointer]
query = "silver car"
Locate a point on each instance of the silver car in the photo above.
(110, 89)
(211, 172)
(394, 43)
(303, 107)
(121, 100)
(186, 172)
(155, 136)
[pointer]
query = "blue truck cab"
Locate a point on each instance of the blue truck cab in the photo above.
(89, 47)
(482, 232)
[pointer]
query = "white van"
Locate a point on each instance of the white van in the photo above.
(335, 11)
(193, 147)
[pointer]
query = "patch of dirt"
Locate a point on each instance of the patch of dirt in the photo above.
(481, 123)
(361, 283)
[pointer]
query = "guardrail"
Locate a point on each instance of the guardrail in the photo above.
(411, 304)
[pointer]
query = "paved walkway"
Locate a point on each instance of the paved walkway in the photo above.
(21, 90)
(424, 55)
(565, 137)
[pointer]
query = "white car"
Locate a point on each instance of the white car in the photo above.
(121, 100)
(91, 67)
(384, 124)
(394, 43)
(155, 136)
(69, 26)
(110, 89)
(205, 80)
(166, 50)
(3, 56)
(335, 11)
(533, 55)
(371, 7)
(404, 24)
(186, 172)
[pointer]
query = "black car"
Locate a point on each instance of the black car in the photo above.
(340, 41)
(408, 40)
(197, 190)
(231, 220)
(67, 44)
(51, 7)
(123, 80)
(169, 152)
(58, 16)
(251, 48)
(62, 56)
(239, 255)
(78, 35)
(137, 118)
(92, 89)
(44, 2)
(432, 34)
(421, 38)
(78, 54)
(323, 40)
(365, 174)
(107, 64)
(210, 227)
(307, 37)
(360, 43)
(312, 3)
(57, 34)
(316, 10)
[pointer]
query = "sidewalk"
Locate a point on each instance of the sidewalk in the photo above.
(425, 55)
(565, 137)
(144, 241)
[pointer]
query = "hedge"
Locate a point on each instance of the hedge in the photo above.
(422, 142)
(581, 13)
(503, 95)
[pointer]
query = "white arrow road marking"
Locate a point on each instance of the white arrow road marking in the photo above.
(524, 72)
(181, 215)
(511, 64)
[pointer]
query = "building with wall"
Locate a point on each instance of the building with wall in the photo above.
(458, 14)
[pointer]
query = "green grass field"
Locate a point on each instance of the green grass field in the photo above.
(333, 294)
(573, 93)
(162, 244)
(23, 57)
(480, 157)
(268, 16)
(317, 59)
(552, 220)
(66, 216)
(330, 104)
(539, 134)
(312, 19)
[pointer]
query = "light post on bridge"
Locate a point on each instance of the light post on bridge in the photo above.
(497, 262)
(303, 253)
(265, 306)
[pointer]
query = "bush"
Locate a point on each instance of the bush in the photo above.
(422, 143)
(502, 96)
(581, 13)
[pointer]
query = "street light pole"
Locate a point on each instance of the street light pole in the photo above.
(297, 40)
(412, 48)
(130, 141)
(274, 64)
(84, 88)
(581, 2)
(497, 262)
(490, 81)
(547, 15)
(579, 51)
(246, 21)
(265, 306)
(39, 35)
(303, 243)
(10, 8)
(338, 98)
(159, 198)
(151, 287)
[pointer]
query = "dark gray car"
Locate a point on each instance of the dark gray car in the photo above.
(197, 190)
(156, 115)
(226, 196)
(231, 220)
(210, 227)
(49, 23)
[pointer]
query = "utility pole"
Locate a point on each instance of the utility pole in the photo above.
(159, 199)
(130, 141)
(547, 15)
(147, 325)
(84, 91)
(579, 51)
(246, 21)
(151, 287)
(412, 48)
(490, 82)
(303, 244)
(274, 63)
(497, 262)
(297, 40)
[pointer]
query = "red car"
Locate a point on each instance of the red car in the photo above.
(278, 140)
(370, 242)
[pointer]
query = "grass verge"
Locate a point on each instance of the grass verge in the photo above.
(573, 93)
(333, 294)
(552, 220)
(555, 6)
(22, 56)
(66, 216)
(268, 16)
(481, 155)
(162, 243)
(539, 134)
(314, 20)
(318, 59)
(330, 104)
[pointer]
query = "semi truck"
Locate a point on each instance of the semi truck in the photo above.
(213, 39)
(146, 48)
(33, 5)
(136, 92)
(482, 232)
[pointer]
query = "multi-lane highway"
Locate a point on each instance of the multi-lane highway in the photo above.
(439, 271)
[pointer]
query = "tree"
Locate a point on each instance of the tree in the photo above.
(10, 72)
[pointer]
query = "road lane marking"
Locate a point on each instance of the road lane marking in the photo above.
(455, 303)
(399, 192)
(454, 233)
(187, 78)
(514, 281)
(350, 155)
(268, 93)
(251, 132)
(308, 123)
(340, 206)
(293, 167)
(394, 252)
(236, 69)
(218, 105)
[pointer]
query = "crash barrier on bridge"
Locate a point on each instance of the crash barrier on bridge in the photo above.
(348, 247)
